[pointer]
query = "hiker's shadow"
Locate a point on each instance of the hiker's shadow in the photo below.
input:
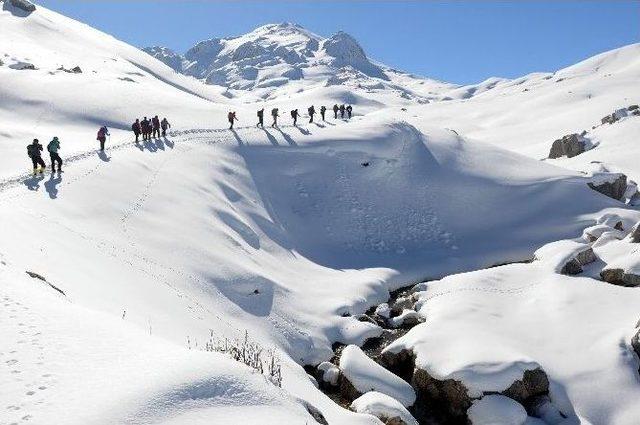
(238, 139)
(168, 142)
(103, 156)
(51, 185)
(150, 146)
(160, 144)
(33, 182)
(304, 131)
(288, 138)
(319, 125)
(271, 137)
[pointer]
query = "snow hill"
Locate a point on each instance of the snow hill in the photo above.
(122, 279)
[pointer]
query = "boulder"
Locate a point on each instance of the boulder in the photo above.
(360, 374)
(612, 220)
(612, 185)
(625, 272)
(328, 373)
(569, 146)
(76, 70)
(566, 256)
(593, 233)
(402, 303)
(406, 319)
(632, 107)
(609, 119)
(383, 407)
(24, 5)
(451, 397)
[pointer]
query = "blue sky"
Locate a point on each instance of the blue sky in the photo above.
(460, 42)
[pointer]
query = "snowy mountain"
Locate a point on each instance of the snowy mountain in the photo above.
(277, 59)
(423, 262)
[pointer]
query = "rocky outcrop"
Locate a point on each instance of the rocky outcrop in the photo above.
(612, 185)
(450, 397)
(23, 5)
(618, 276)
(570, 145)
(566, 256)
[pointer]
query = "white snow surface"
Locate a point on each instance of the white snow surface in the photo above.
(286, 234)
(497, 410)
(382, 406)
(366, 375)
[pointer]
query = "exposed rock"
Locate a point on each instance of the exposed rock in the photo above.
(365, 318)
(569, 146)
(618, 276)
(612, 185)
(22, 66)
(612, 220)
(23, 5)
(402, 304)
(407, 319)
(634, 235)
(315, 413)
(609, 119)
(632, 107)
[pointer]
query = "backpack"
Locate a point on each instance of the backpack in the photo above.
(30, 150)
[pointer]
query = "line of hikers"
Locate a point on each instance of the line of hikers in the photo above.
(311, 111)
(34, 151)
(150, 128)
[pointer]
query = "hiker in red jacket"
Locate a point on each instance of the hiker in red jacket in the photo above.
(102, 136)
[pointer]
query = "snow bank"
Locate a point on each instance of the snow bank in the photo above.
(497, 410)
(366, 375)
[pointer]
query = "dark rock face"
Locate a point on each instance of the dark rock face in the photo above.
(613, 189)
(23, 5)
(572, 268)
(569, 146)
(316, 414)
(618, 276)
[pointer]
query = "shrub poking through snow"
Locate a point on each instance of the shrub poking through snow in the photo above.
(251, 354)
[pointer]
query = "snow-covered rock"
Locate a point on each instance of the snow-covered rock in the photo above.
(23, 5)
(612, 185)
(383, 310)
(406, 319)
(592, 233)
(625, 271)
(497, 410)
(566, 257)
(634, 235)
(330, 373)
(360, 375)
(383, 407)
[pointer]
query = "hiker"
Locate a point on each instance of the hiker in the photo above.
(335, 112)
(323, 110)
(260, 118)
(164, 124)
(349, 109)
(33, 150)
(294, 115)
(232, 117)
(312, 111)
(137, 129)
(53, 147)
(102, 136)
(342, 109)
(275, 115)
(155, 123)
(144, 125)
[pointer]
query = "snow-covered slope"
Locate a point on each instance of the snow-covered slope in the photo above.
(161, 250)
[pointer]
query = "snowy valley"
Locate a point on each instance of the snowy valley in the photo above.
(449, 255)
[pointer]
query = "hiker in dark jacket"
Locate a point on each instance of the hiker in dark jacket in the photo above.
(275, 115)
(294, 116)
(137, 129)
(53, 147)
(33, 150)
(323, 110)
(260, 118)
(335, 111)
(155, 123)
(145, 125)
(312, 111)
(231, 117)
(102, 136)
(349, 110)
(342, 109)
(164, 124)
